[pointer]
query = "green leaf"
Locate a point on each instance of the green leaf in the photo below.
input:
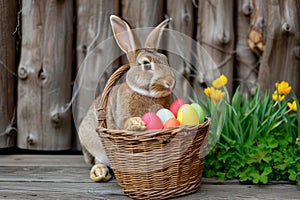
(283, 142)
(223, 157)
(256, 158)
(297, 165)
(236, 132)
(221, 176)
(293, 175)
(236, 100)
(248, 114)
(209, 173)
(263, 179)
(272, 143)
(267, 170)
(281, 166)
(244, 175)
(267, 158)
(255, 176)
(232, 173)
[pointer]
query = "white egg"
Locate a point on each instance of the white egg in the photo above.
(164, 114)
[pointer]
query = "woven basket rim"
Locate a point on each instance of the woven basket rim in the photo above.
(152, 133)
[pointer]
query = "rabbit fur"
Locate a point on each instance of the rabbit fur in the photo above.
(147, 88)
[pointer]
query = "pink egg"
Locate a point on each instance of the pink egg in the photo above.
(176, 105)
(152, 121)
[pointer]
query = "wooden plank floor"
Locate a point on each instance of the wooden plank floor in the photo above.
(66, 177)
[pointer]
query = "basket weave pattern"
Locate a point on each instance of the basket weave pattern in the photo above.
(156, 164)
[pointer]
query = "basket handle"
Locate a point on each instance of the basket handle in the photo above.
(101, 106)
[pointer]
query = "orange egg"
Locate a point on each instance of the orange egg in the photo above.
(172, 122)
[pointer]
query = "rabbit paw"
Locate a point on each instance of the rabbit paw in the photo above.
(100, 173)
(135, 124)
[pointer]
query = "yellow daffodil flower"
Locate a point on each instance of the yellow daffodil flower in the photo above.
(292, 106)
(220, 82)
(207, 91)
(217, 95)
(283, 88)
(214, 94)
(275, 96)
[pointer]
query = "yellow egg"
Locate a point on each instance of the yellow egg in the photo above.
(187, 115)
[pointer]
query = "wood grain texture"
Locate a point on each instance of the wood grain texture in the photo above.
(281, 58)
(246, 61)
(36, 190)
(44, 89)
(257, 31)
(142, 13)
(215, 32)
(8, 23)
(183, 15)
(29, 160)
(93, 59)
(66, 177)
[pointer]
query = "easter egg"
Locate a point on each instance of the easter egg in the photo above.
(164, 114)
(176, 105)
(172, 122)
(199, 111)
(152, 121)
(187, 115)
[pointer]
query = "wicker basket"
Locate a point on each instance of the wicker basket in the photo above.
(154, 164)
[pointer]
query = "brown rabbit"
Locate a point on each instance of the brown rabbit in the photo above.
(147, 87)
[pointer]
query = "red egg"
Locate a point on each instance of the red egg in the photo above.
(172, 122)
(176, 105)
(152, 121)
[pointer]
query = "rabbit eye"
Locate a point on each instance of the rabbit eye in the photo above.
(147, 65)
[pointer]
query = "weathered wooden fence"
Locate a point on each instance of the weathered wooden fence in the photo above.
(253, 42)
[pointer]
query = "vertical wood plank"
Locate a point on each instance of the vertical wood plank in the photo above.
(182, 14)
(142, 13)
(44, 89)
(246, 60)
(281, 58)
(93, 27)
(8, 23)
(216, 34)
(257, 32)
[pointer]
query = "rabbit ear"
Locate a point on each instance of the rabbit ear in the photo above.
(154, 37)
(123, 34)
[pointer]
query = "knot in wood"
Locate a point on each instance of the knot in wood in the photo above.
(247, 9)
(10, 130)
(297, 51)
(224, 38)
(30, 139)
(56, 119)
(286, 27)
(23, 74)
(42, 75)
(186, 18)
